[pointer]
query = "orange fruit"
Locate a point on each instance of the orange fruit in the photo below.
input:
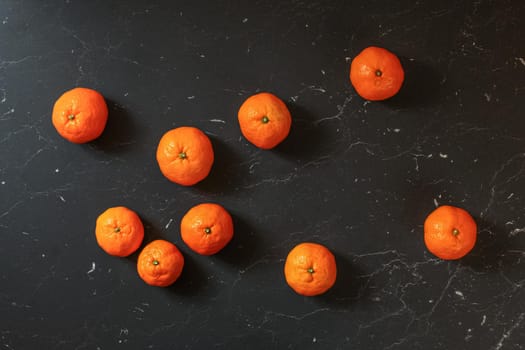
(376, 74)
(160, 263)
(206, 228)
(80, 115)
(185, 155)
(119, 231)
(310, 269)
(450, 232)
(264, 120)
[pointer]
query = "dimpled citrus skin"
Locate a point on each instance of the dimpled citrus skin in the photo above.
(450, 232)
(80, 115)
(185, 155)
(264, 120)
(207, 228)
(376, 74)
(160, 263)
(310, 269)
(119, 231)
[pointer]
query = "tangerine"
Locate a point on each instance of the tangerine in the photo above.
(310, 269)
(450, 232)
(185, 155)
(119, 231)
(80, 115)
(376, 74)
(264, 120)
(160, 263)
(207, 228)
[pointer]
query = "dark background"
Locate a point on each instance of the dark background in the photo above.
(358, 177)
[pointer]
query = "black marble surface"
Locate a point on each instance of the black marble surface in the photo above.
(358, 177)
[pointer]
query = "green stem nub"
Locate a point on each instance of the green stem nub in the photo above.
(310, 270)
(117, 229)
(207, 230)
(155, 262)
(71, 117)
(265, 119)
(378, 73)
(182, 155)
(455, 232)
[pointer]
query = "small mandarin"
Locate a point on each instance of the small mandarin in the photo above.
(310, 269)
(264, 120)
(450, 232)
(206, 228)
(160, 263)
(80, 115)
(185, 155)
(119, 231)
(376, 74)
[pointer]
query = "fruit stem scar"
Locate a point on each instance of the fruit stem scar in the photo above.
(182, 155)
(378, 73)
(310, 270)
(455, 232)
(207, 230)
(265, 119)
(71, 116)
(117, 229)
(155, 262)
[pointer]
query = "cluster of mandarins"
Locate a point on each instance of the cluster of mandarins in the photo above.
(185, 156)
